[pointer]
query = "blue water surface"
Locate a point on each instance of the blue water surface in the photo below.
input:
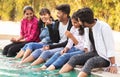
(9, 68)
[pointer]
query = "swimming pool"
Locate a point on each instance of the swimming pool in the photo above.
(8, 69)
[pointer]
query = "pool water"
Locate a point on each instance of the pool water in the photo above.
(8, 68)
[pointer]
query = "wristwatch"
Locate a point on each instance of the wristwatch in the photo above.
(113, 64)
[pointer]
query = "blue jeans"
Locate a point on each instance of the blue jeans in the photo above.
(32, 46)
(45, 54)
(44, 35)
(36, 53)
(59, 60)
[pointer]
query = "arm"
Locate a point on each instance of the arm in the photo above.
(86, 40)
(17, 39)
(112, 60)
(63, 44)
(22, 29)
(47, 47)
(70, 36)
(109, 43)
(69, 44)
(113, 67)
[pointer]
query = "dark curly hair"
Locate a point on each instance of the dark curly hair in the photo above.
(86, 15)
(64, 8)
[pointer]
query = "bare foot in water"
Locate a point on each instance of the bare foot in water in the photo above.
(38, 69)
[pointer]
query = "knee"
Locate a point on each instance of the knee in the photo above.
(57, 54)
(91, 62)
(46, 53)
(89, 65)
(30, 44)
(36, 54)
(37, 51)
(26, 45)
(4, 52)
(73, 58)
(6, 48)
(73, 61)
(11, 51)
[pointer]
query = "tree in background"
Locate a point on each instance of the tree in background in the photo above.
(107, 10)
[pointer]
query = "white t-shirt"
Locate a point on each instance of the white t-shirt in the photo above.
(62, 30)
